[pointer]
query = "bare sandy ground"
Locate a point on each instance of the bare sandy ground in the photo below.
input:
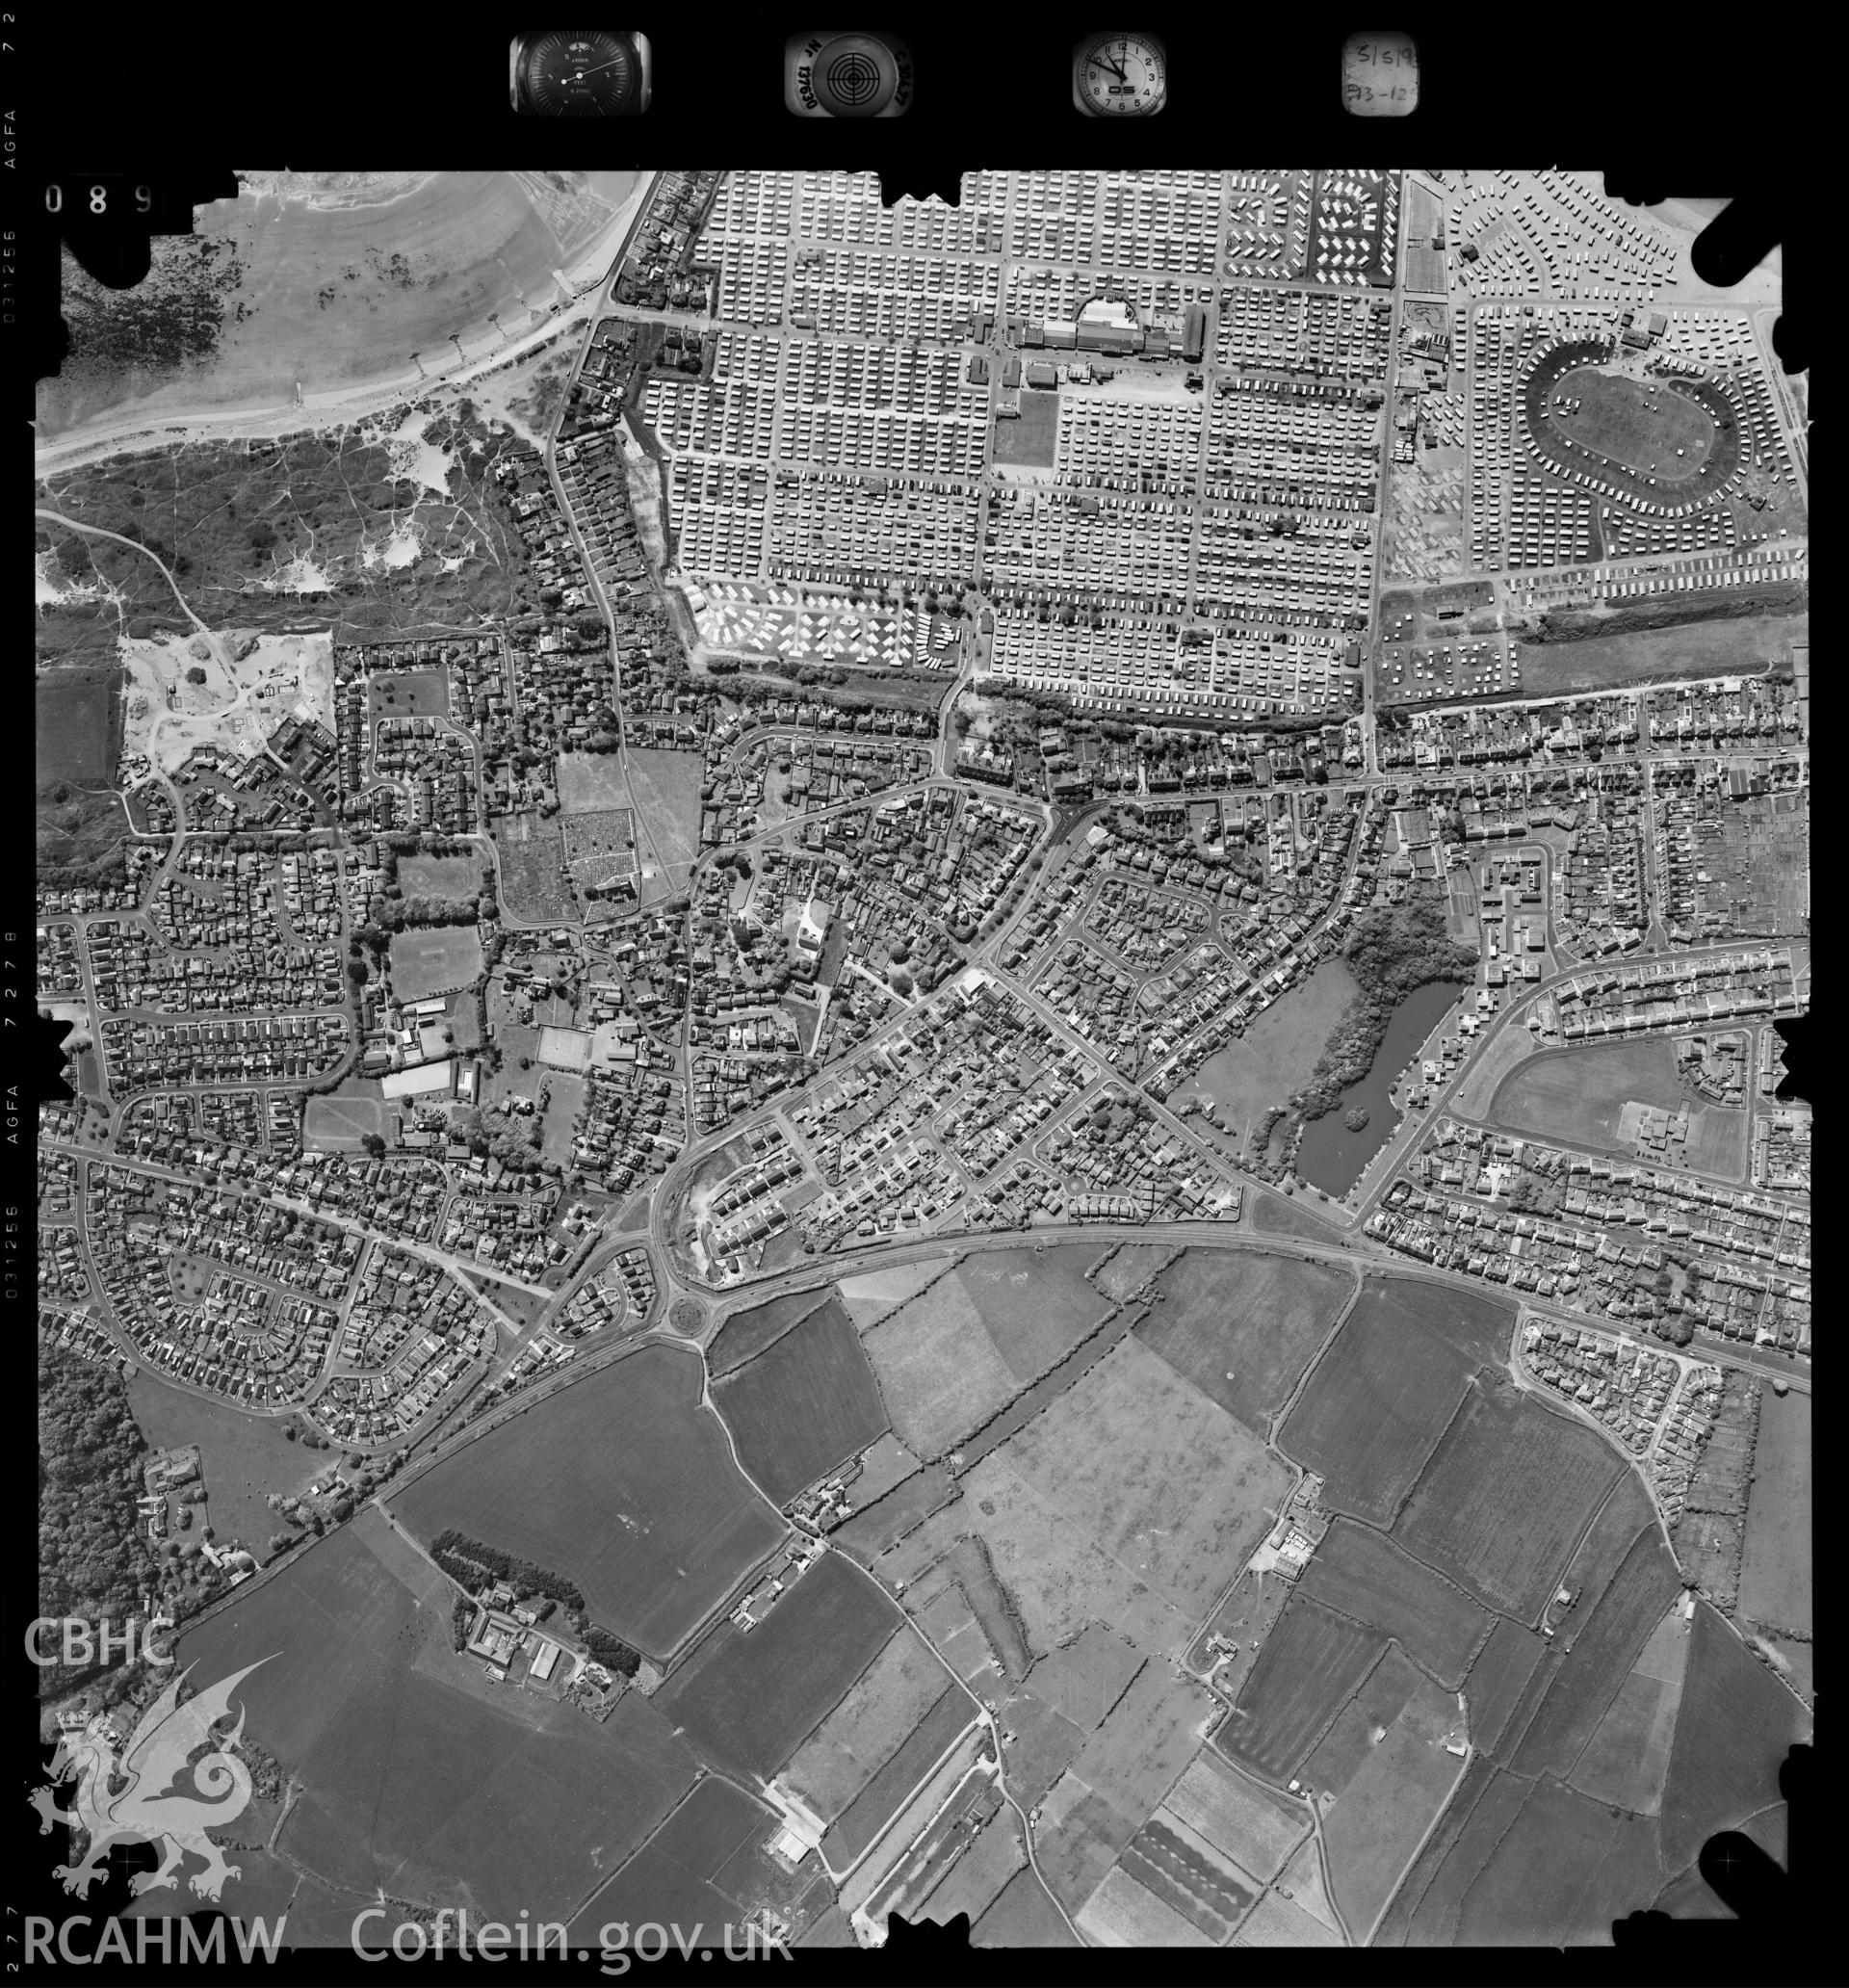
(551, 282)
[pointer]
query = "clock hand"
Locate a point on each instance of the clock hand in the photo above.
(1105, 62)
(581, 74)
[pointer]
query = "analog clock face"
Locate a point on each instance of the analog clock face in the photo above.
(1121, 76)
(580, 72)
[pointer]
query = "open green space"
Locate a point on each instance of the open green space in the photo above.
(1579, 1096)
(938, 1368)
(622, 1482)
(435, 960)
(439, 877)
(414, 1786)
(1035, 1304)
(1726, 646)
(1652, 428)
(1030, 438)
(1277, 1053)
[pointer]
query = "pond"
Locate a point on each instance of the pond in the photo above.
(1332, 1157)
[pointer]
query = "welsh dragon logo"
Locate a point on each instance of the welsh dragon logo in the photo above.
(125, 1793)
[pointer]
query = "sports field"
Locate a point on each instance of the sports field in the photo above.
(1030, 439)
(1363, 1575)
(749, 1701)
(1579, 1095)
(436, 960)
(1638, 427)
(340, 1123)
(1377, 1401)
(1157, 1475)
(804, 1406)
(1505, 1497)
(420, 1787)
(1310, 1665)
(1776, 1572)
(623, 1482)
(439, 877)
(75, 715)
(1243, 1325)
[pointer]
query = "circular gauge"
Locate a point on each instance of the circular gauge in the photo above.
(1121, 76)
(854, 76)
(577, 72)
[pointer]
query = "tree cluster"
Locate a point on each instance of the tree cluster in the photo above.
(466, 1561)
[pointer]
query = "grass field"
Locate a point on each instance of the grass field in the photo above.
(1564, 1869)
(1277, 1052)
(1579, 1095)
(1243, 1326)
(1732, 1734)
(1059, 1577)
(1023, 1916)
(745, 1334)
(1776, 1572)
(938, 1368)
(244, 1457)
(1079, 1836)
(869, 1298)
(1030, 438)
(890, 1787)
(663, 789)
(1505, 1497)
(414, 1786)
(1147, 1739)
(874, 1527)
(408, 694)
(1129, 1267)
(76, 725)
(1036, 1304)
(969, 1565)
(1627, 1759)
(435, 961)
(749, 1701)
(1742, 646)
(804, 1406)
(669, 1880)
(1279, 1214)
(1312, 1662)
(1151, 1471)
(1621, 422)
(1278, 1922)
(1377, 1401)
(1045, 1745)
(1085, 1678)
(1626, 1513)
(974, 1881)
(1247, 1823)
(622, 1482)
(1390, 1801)
(869, 1725)
(1365, 1575)
(1593, 1671)
(439, 877)
(338, 1124)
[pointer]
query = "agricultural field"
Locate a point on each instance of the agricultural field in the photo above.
(745, 1334)
(1276, 1054)
(1188, 1874)
(1023, 1916)
(1035, 1304)
(623, 1482)
(939, 1370)
(1627, 1759)
(868, 1726)
(1152, 1473)
(1312, 1663)
(967, 1632)
(1083, 1679)
(243, 1457)
(1610, 1537)
(1147, 1737)
(874, 1527)
(804, 1406)
(436, 960)
(1363, 1575)
(1245, 1821)
(749, 1701)
(871, 1297)
(517, 1802)
(1129, 1267)
(1378, 1401)
(974, 1882)
(859, 1824)
(1560, 1874)
(1123, 1913)
(1579, 1096)
(1243, 1325)
(1279, 1922)
(1776, 1572)
(1389, 1802)
(1736, 1723)
(669, 1880)
(1505, 1497)
(883, 1466)
(1051, 1384)
(1594, 1670)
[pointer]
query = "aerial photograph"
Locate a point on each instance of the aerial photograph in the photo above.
(925, 1063)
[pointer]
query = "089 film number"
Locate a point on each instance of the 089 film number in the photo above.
(93, 199)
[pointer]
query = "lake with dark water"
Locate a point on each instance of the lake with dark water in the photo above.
(1332, 1157)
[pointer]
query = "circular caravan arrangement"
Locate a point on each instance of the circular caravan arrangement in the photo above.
(1672, 444)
